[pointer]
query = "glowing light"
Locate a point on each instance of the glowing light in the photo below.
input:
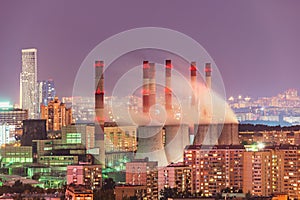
(247, 98)
(193, 68)
(207, 69)
(260, 145)
(145, 91)
(5, 105)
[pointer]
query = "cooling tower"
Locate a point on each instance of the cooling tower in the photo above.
(216, 134)
(176, 139)
(150, 144)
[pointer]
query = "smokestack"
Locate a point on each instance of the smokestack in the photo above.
(152, 85)
(208, 75)
(145, 87)
(168, 90)
(99, 113)
(193, 69)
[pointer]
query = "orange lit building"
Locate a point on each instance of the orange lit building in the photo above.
(177, 175)
(88, 175)
(143, 172)
(79, 193)
(272, 170)
(127, 191)
(215, 167)
(56, 114)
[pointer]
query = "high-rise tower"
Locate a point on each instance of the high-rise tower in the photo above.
(28, 82)
(46, 91)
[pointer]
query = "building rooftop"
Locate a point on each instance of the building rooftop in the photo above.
(211, 147)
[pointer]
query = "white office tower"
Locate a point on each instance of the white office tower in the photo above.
(28, 83)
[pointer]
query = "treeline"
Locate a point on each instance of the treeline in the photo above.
(261, 127)
(20, 188)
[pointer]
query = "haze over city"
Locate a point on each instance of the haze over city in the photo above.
(254, 44)
(153, 100)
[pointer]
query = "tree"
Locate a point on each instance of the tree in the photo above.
(108, 184)
(168, 193)
(248, 195)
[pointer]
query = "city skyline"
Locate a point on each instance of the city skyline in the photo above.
(253, 43)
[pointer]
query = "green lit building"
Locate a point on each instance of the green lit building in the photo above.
(10, 155)
(58, 154)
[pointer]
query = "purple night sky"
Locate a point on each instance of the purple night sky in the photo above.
(255, 44)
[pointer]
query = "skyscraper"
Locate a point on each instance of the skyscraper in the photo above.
(28, 82)
(46, 92)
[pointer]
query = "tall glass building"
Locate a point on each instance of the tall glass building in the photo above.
(28, 82)
(46, 92)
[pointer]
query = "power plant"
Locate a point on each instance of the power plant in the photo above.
(162, 137)
(209, 131)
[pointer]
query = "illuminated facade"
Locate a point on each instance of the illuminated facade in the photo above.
(273, 169)
(177, 176)
(88, 175)
(120, 141)
(13, 117)
(46, 92)
(28, 82)
(79, 193)
(56, 114)
(120, 145)
(57, 154)
(135, 191)
(11, 155)
(79, 134)
(215, 167)
(257, 173)
(271, 137)
(143, 172)
(4, 134)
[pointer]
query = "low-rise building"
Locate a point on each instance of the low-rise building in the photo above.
(85, 174)
(143, 172)
(177, 175)
(77, 192)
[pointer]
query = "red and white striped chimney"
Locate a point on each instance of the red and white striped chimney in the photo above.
(152, 85)
(99, 112)
(193, 69)
(168, 89)
(145, 91)
(208, 75)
